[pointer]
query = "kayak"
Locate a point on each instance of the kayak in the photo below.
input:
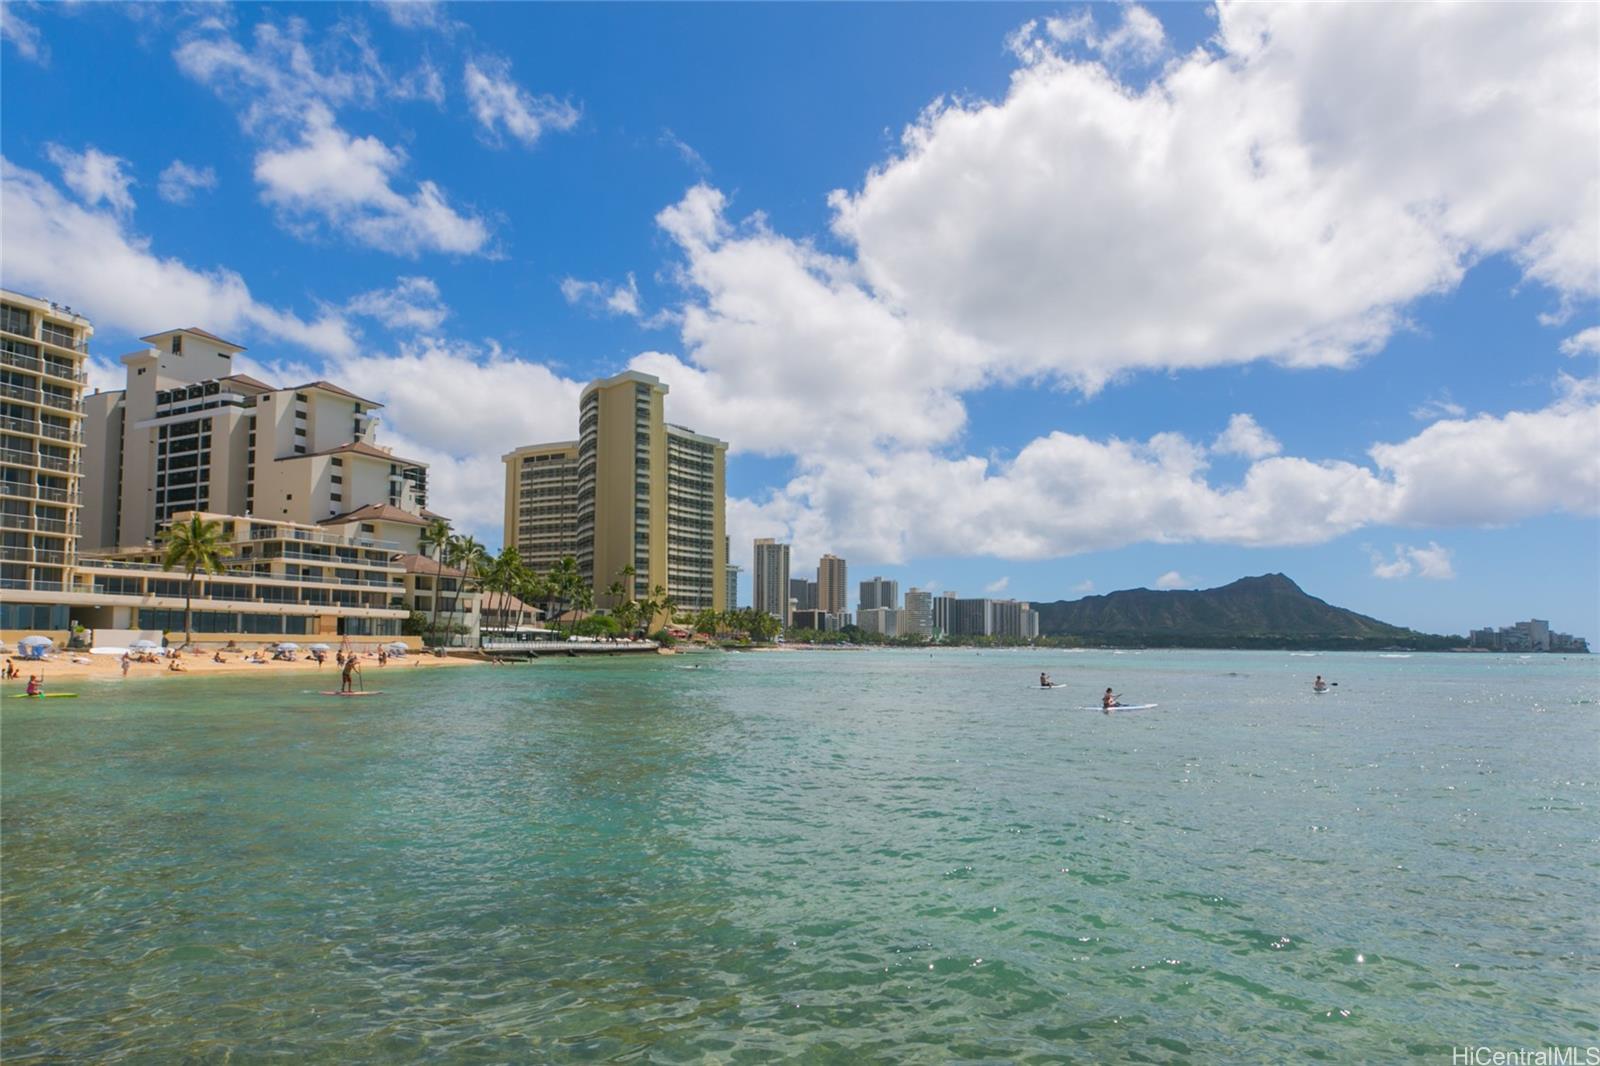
(1123, 707)
(45, 696)
(374, 692)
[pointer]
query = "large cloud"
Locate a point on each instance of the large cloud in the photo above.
(55, 246)
(1065, 494)
(1273, 199)
(319, 176)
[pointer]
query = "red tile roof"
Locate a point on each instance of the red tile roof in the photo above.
(373, 512)
(356, 447)
(328, 386)
(198, 332)
(421, 564)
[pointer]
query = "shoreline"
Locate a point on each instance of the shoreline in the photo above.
(109, 668)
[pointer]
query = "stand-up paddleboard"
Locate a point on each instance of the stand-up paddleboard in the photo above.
(370, 692)
(45, 696)
(1123, 707)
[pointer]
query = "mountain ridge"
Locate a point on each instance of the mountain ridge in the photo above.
(1268, 610)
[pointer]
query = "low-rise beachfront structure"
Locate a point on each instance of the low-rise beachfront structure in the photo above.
(281, 579)
(43, 349)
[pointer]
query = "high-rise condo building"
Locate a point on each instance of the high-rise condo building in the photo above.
(641, 493)
(880, 592)
(730, 597)
(803, 593)
(541, 509)
(770, 579)
(884, 620)
(916, 617)
(43, 348)
(1012, 618)
(943, 612)
(833, 588)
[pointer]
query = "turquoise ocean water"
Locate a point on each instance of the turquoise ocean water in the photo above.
(829, 857)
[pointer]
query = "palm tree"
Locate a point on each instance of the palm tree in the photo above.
(437, 536)
(469, 557)
(195, 545)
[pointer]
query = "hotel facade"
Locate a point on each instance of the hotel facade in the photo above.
(323, 525)
(43, 350)
(634, 490)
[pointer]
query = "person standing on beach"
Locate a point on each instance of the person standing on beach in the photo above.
(350, 669)
(127, 661)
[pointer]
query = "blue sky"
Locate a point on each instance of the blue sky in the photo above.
(1040, 299)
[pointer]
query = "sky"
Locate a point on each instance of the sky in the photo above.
(1033, 301)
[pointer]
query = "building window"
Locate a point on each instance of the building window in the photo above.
(177, 344)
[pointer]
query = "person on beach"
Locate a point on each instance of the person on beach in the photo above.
(351, 668)
(127, 661)
(176, 667)
(11, 671)
(216, 657)
(1108, 701)
(35, 685)
(383, 657)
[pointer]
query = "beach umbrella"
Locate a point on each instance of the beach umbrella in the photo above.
(143, 645)
(320, 647)
(396, 646)
(287, 646)
(36, 641)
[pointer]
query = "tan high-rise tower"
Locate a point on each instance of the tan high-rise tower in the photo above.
(640, 491)
(43, 348)
(832, 585)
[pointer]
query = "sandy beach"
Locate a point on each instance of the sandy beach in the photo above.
(59, 668)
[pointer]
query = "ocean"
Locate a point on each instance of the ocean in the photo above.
(891, 856)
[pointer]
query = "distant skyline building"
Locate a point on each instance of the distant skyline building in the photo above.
(916, 617)
(884, 620)
(769, 591)
(833, 585)
(803, 593)
(821, 621)
(1532, 635)
(879, 592)
(943, 611)
(730, 598)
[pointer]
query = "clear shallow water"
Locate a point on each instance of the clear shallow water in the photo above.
(824, 856)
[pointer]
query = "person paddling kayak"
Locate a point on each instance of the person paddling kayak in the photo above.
(1044, 680)
(1108, 701)
(35, 685)
(1319, 685)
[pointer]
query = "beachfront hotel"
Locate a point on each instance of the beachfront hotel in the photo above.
(43, 349)
(833, 585)
(324, 525)
(633, 490)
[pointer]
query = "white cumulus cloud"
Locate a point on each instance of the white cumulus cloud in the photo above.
(1174, 580)
(94, 175)
(1581, 343)
(498, 102)
(56, 246)
(412, 305)
(331, 178)
(602, 296)
(1245, 437)
(1432, 562)
(179, 181)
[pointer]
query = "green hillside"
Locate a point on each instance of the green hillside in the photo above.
(1265, 611)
